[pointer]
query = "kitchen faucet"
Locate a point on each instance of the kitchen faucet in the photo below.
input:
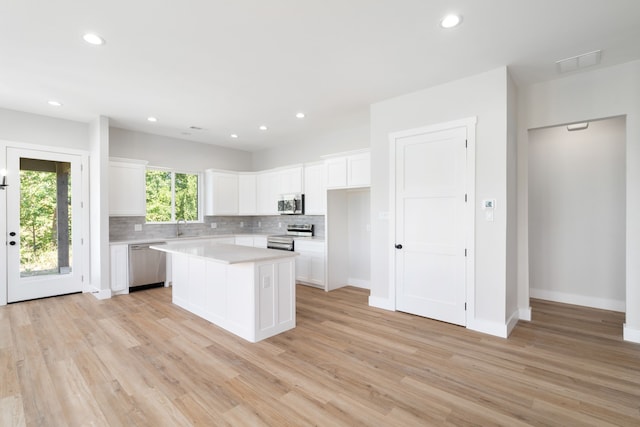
(178, 232)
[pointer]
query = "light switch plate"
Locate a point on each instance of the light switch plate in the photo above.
(137, 227)
(214, 225)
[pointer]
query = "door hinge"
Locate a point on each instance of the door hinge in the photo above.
(82, 204)
(465, 252)
(465, 198)
(82, 278)
(465, 306)
(82, 241)
(465, 143)
(81, 167)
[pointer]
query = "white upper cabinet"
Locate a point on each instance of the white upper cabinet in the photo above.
(290, 180)
(268, 191)
(221, 193)
(247, 197)
(127, 187)
(315, 198)
(349, 170)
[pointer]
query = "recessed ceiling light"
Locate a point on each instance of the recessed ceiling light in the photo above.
(300, 115)
(451, 21)
(263, 127)
(54, 103)
(152, 119)
(234, 136)
(93, 39)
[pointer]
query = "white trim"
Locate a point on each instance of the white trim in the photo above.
(470, 124)
(525, 314)
(383, 303)
(359, 283)
(630, 334)
(575, 299)
(512, 322)
(488, 327)
(101, 293)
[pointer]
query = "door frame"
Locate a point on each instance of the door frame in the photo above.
(85, 263)
(469, 214)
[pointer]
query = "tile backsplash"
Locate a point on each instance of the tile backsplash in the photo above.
(123, 227)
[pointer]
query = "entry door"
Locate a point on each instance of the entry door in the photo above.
(43, 224)
(430, 225)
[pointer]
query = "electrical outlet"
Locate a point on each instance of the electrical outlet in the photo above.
(279, 225)
(259, 224)
(241, 224)
(214, 225)
(137, 227)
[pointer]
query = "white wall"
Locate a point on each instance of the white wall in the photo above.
(605, 92)
(29, 128)
(577, 214)
(359, 218)
(175, 153)
(484, 96)
(512, 311)
(311, 149)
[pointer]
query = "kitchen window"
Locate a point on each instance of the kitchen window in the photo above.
(172, 196)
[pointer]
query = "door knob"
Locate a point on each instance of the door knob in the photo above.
(398, 246)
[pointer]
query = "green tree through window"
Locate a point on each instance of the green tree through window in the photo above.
(171, 196)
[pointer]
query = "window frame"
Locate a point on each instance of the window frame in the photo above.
(173, 194)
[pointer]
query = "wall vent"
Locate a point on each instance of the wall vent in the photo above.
(578, 62)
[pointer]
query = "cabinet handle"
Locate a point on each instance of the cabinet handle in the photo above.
(12, 243)
(398, 246)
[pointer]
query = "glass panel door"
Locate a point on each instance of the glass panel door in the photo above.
(43, 224)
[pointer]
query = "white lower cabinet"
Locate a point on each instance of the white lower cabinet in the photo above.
(310, 264)
(120, 269)
(253, 241)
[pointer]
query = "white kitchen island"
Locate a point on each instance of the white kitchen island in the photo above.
(247, 291)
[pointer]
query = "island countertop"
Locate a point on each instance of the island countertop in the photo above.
(222, 252)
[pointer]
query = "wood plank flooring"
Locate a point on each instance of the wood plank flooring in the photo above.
(138, 360)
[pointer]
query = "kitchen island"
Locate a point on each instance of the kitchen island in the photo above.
(247, 291)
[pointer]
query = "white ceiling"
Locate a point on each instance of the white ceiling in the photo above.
(229, 66)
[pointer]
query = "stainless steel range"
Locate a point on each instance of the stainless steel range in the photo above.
(284, 242)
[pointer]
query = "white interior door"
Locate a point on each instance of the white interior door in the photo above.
(430, 224)
(43, 224)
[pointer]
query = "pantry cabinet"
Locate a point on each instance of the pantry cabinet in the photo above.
(127, 187)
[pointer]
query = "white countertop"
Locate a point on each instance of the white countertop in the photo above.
(222, 252)
(207, 237)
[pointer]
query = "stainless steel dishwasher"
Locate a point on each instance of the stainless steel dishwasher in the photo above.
(146, 266)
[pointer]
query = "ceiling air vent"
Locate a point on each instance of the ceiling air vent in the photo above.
(578, 62)
(195, 128)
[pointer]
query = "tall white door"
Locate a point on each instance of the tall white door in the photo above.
(43, 224)
(430, 224)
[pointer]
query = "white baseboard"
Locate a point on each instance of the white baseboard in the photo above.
(565, 298)
(631, 334)
(525, 314)
(488, 327)
(359, 283)
(513, 321)
(383, 303)
(101, 293)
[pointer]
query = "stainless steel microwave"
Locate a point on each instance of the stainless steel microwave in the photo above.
(291, 204)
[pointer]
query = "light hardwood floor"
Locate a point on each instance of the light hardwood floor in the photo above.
(138, 360)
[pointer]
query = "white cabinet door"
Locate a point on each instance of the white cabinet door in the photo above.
(359, 170)
(310, 264)
(221, 193)
(127, 188)
(119, 268)
(268, 190)
(315, 198)
(349, 171)
(247, 197)
(290, 180)
(336, 172)
(260, 242)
